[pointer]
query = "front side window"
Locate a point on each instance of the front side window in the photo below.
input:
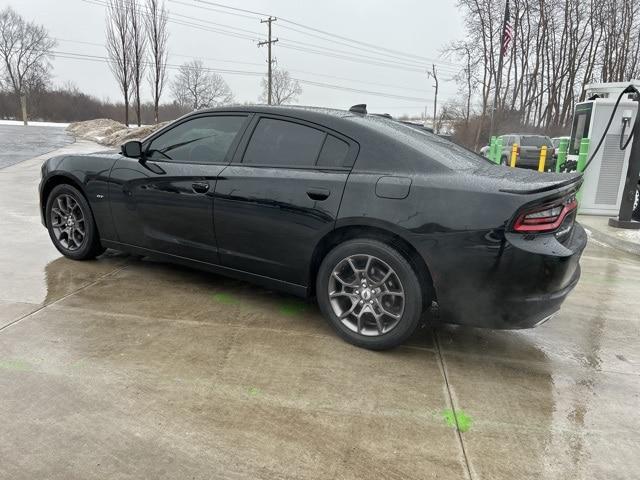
(200, 140)
(281, 143)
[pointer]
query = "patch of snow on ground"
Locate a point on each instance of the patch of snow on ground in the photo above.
(109, 132)
(632, 235)
(35, 124)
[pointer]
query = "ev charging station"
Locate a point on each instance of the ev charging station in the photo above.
(606, 175)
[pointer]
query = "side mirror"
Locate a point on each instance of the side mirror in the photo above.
(132, 149)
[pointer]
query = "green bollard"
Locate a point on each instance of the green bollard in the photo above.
(582, 162)
(562, 153)
(492, 148)
(582, 155)
(498, 153)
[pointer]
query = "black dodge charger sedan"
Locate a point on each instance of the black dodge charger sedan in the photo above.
(375, 218)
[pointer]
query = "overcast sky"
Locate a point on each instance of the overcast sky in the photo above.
(415, 27)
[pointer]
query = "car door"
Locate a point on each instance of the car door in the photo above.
(164, 201)
(280, 196)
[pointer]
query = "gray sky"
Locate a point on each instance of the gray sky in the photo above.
(416, 27)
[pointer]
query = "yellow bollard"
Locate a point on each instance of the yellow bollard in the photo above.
(514, 155)
(543, 158)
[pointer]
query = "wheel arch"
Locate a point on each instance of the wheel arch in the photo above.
(53, 181)
(375, 232)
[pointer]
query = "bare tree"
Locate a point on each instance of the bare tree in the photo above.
(284, 89)
(558, 47)
(25, 51)
(197, 87)
(138, 51)
(119, 48)
(157, 36)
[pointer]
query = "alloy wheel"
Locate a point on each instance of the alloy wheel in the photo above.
(68, 222)
(366, 295)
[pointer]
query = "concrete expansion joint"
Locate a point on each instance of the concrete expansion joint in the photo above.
(451, 403)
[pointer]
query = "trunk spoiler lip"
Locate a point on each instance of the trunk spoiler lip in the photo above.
(552, 186)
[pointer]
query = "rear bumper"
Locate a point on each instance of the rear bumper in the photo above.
(531, 311)
(517, 284)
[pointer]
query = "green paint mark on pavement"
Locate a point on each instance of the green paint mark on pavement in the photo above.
(254, 392)
(459, 419)
(16, 365)
(293, 308)
(225, 298)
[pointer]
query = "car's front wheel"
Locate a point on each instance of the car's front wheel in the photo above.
(71, 225)
(370, 294)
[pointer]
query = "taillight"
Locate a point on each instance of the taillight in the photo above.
(545, 218)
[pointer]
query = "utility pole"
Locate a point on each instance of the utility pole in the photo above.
(434, 74)
(268, 43)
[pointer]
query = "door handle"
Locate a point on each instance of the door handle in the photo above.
(318, 193)
(200, 187)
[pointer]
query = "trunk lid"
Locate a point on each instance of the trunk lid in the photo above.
(525, 182)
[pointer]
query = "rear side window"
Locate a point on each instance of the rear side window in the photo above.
(280, 143)
(334, 153)
(200, 140)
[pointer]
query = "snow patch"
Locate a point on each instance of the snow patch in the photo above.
(109, 132)
(34, 124)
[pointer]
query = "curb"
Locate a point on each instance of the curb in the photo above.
(612, 241)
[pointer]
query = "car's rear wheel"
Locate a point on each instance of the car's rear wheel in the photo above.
(71, 225)
(370, 294)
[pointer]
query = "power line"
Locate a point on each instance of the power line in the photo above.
(304, 72)
(330, 34)
(331, 53)
(102, 59)
(375, 50)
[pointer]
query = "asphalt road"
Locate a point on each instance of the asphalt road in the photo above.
(125, 368)
(18, 143)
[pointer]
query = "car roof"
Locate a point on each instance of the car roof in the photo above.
(294, 110)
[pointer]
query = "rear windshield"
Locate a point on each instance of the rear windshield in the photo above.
(449, 154)
(535, 141)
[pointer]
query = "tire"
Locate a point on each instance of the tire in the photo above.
(636, 205)
(378, 294)
(67, 210)
(504, 161)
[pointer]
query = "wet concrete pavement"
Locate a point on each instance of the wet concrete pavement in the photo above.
(21, 143)
(127, 368)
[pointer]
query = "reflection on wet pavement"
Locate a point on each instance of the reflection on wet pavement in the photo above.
(125, 367)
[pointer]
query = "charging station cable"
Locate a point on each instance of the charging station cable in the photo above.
(634, 130)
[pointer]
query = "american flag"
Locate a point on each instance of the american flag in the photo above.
(507, 32)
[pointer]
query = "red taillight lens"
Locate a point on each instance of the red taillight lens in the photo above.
(545, 218)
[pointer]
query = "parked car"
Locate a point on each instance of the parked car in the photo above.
(556, 141)
(529, 147)
(377, 219)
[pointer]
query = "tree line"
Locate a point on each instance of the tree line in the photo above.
(558, 47)
(137, 48)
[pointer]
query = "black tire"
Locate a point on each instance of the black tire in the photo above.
(89, 247)
(409, 316)
(636, 205)
(504, 161)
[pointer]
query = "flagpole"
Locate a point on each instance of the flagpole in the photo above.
(499, 74)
